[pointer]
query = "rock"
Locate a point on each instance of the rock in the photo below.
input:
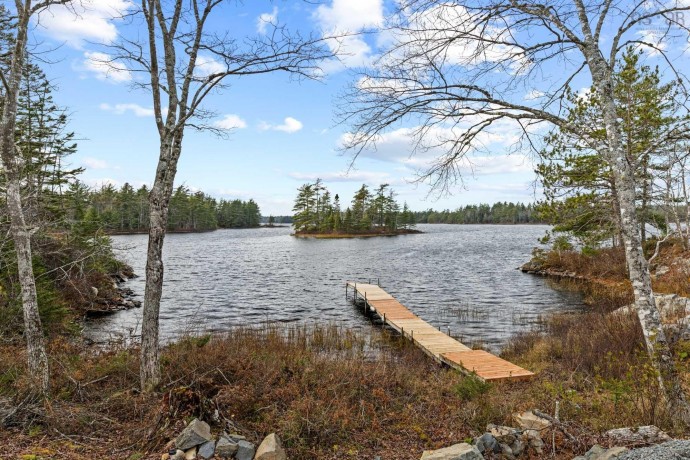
(462, 451)
(271, 449)
(190, 454)
(599, 453)
(179, 455)
(507, 451)
(226, 448)
(671, 450)
(662, 270)
(487, 443)
(518, 447)
(234, 437)
(533, 439)
(245, 450)
(165, 457)
(649, 434)
(94, 291)
(503, 434)
(207, 449)
(196, 433)
(529, 421)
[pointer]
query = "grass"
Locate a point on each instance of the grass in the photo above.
(329, 392)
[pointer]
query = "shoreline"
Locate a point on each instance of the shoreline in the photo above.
(354, 235)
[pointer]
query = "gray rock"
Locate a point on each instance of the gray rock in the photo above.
(487, 443)
(226, 448)
(600, 453)
(196, 433)
(207, 449)
(671, 450)
(507, 451)
(503, 434)
(462, 451)
(245, 450)
(518, 447)
(533, 439)
(179, 455)
(649, 434)
(271, 449)
(234, 437)
(530, 421)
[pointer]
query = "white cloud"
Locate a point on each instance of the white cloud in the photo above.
(94, 163)
(87, 20)
(290, 125)
(502, 137)
(230, 121)
(121, 109)
(345, 18)
(266, 19)
(350, 15)
(104, 68)
(207, 65)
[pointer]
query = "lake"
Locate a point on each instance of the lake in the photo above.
(462, 277)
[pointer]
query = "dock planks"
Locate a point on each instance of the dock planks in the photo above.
(433, 342)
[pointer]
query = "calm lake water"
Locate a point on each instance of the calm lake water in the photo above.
(461, 277)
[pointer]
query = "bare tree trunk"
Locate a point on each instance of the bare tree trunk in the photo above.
(638, 268)
(21, 234)
(159, 199)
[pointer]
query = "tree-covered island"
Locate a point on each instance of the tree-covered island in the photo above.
(369, 214)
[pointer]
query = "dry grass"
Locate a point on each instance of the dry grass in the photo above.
(329, 392)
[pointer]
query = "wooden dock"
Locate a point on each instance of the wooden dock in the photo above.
(432, 341)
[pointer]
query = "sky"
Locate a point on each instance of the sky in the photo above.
(284, 132)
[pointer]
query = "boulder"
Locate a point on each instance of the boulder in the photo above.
(504, 434)
(487, 443)
(648, 434)
(270, 449)
(195, 434)
(530, 421)
(599, 453)
(206, 450)
(462, 451)
(226, 448)
(179, 455)
(245, 450)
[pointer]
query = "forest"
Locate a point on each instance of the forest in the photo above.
(368, 213)
(497, 213)
(125, 210)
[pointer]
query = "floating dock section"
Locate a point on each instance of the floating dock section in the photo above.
(432, 341)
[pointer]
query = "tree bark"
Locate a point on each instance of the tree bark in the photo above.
(159, 199)
(638, 269)
(21, 234)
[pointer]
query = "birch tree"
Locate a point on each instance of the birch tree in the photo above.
(459, 70)
(13, 167)
(183, 62)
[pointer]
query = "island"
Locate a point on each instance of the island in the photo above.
(317, 215)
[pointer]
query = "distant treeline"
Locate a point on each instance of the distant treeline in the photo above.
(126, 210)
(498, 213)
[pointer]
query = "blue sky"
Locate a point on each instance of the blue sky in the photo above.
(284, 130)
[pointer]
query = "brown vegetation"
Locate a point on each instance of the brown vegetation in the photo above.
(328, 392)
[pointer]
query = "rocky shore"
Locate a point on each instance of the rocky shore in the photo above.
(120, 297)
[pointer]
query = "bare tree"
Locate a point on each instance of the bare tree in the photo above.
(12, 166)
(183, 62)
(458, 69)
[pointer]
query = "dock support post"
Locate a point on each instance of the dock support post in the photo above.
(378, 282)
